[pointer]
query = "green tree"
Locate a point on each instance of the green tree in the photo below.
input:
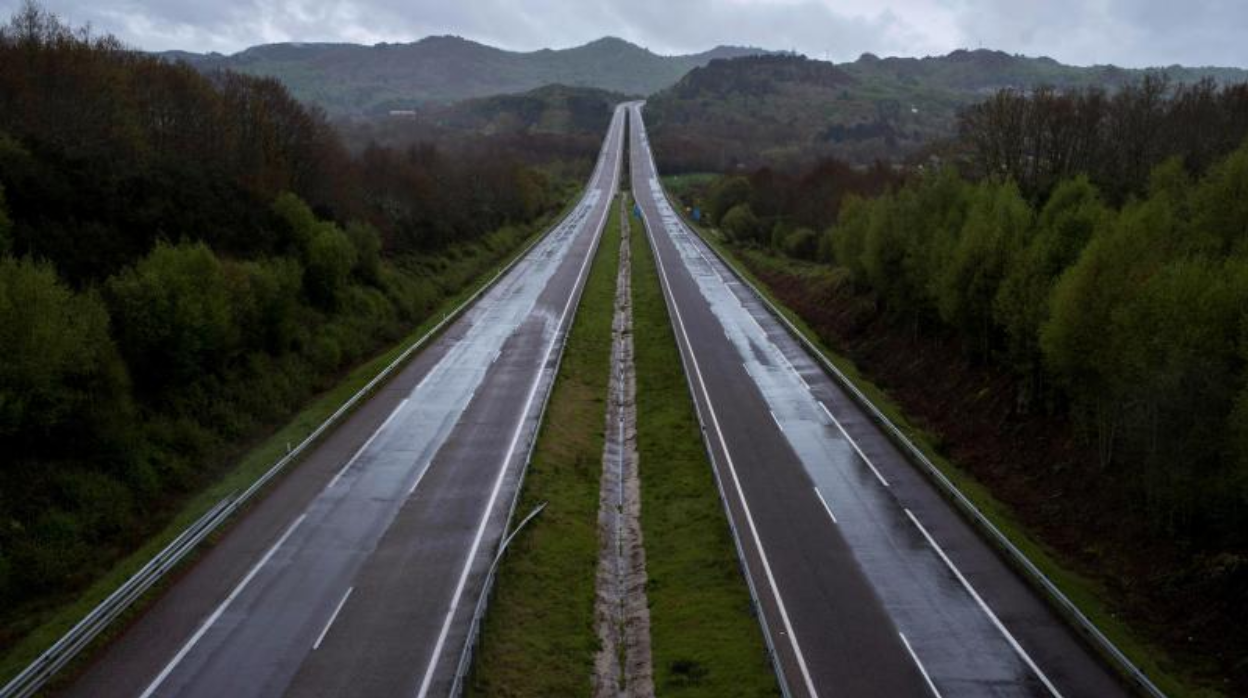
(6, 227)
(725, 194)
(61, 374)
(173, 315)
(742, 225)
(367, 244)
(997, 225)
(330, 258)
(1063, 228)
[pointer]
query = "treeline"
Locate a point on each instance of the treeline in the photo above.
(1115, 286)
(1040, 138)
(184, 261)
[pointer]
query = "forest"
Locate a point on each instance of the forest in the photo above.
(185, 260)
(1092, 248)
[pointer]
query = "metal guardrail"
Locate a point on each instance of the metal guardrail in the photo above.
(742, 561)
(1129, 671)
(39, 672)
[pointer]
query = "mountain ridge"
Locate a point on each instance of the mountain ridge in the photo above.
(355, 79)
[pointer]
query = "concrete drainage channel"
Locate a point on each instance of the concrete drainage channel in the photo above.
(623, 665)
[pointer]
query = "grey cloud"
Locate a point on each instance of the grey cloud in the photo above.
(1128, 32)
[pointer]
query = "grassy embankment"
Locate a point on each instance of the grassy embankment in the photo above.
(458, 273)
(1086, 593)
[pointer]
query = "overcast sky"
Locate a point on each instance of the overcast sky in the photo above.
(1127, 32)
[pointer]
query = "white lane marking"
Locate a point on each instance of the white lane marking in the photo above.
(368, 442)
(826, 508)
(776, 420)
(177, 658)
(919, 664)
(745, 507)
(853, 443)
(515, 440)
(987, 611)
(419, 476)
(332, 617)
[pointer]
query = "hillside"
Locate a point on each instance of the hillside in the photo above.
(776, 109)
(350, 79)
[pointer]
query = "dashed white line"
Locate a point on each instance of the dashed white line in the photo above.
(919, 664)
(984, 606)
(332, 617)
(186, 648)
(826, 508)
(836, 422)
(419, 476)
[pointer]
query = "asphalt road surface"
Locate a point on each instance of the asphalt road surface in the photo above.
(870, 583)
(358, 573)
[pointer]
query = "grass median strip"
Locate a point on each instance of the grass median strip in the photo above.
(705, 639)
(538, 637)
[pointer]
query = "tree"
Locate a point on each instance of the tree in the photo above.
(724, 195)
(330, 258)
(173, 316)
(61, 375)
(6, 227)
(1063, 228)
(742, 226)
(997, 225)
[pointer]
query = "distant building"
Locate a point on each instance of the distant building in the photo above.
(403, 112)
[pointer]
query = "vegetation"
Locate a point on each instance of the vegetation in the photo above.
(705, 639)
(354, 80)
(786, 111)
(186, 261)
(1106, 331)
(538, 638)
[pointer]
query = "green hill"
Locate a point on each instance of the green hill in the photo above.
(777, 108)
(350, 79)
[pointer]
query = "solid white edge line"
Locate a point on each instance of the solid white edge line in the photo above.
(983, 605)
(203, 628)
(879, 476)
(922, 670)
(749, 518)
(515, 440)
(368, 442)
(776, 419)
(824, 502)
(332, 617)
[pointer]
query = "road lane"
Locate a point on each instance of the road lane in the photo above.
(827, 493)
(412, 508)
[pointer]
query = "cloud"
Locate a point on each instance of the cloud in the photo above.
(1127, 32)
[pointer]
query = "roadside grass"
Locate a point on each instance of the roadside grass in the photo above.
(538, 636)
(1086, 593)
(705, 638)
(470, 268)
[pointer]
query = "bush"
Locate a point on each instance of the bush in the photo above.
(742, 226)
(60, 375)
(330, 258)
(173, 315)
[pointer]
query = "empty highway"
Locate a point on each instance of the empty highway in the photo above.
(358, 573)
(870, 583)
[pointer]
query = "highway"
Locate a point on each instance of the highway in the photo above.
(358, 573)
(869, 581)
